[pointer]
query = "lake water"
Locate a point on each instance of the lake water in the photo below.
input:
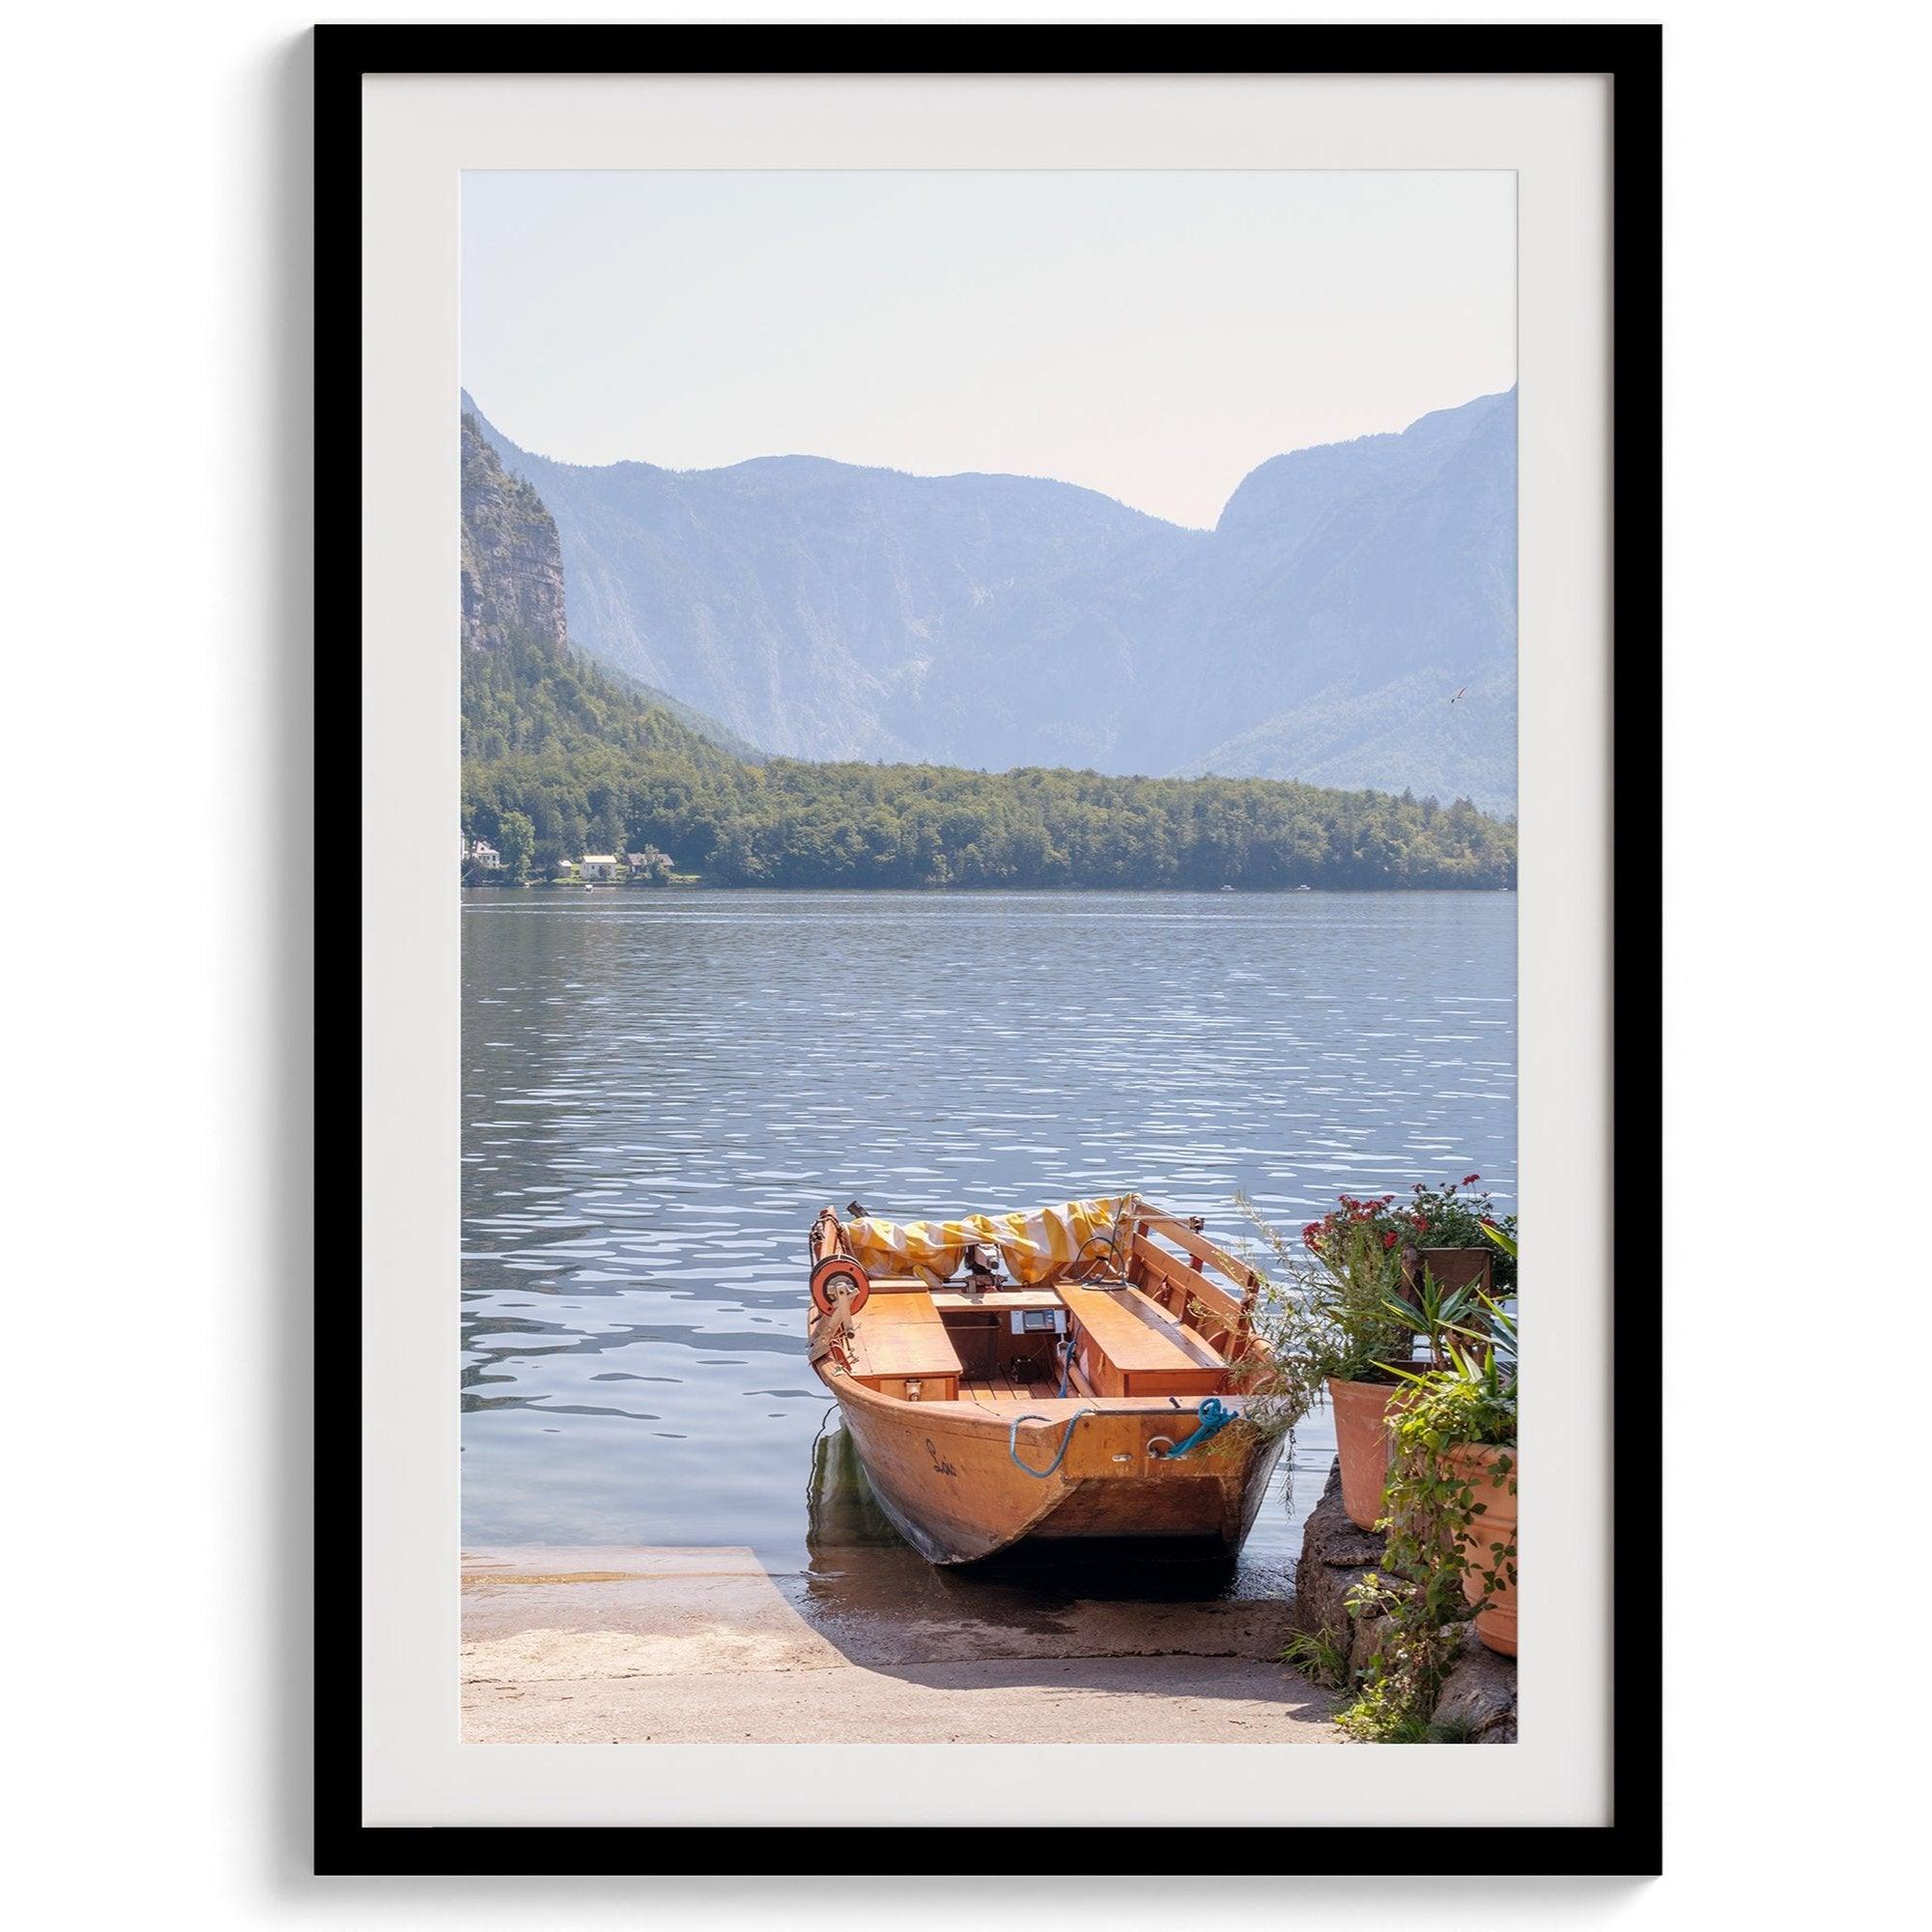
(661, 1089)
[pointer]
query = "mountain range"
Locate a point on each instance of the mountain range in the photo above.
(1322, 631)
(564, 757)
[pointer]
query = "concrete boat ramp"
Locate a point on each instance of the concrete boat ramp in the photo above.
(642, 1645)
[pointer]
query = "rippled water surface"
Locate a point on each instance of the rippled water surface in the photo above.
(661, 1089)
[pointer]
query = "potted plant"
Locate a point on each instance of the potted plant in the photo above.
(1370, 1281)
(1487, 1458)
(1453, 1494)
(1452, 1223)
(1456, 1454)
(1357, 1335)
(1334, 1322)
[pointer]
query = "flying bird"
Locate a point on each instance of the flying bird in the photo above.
(1457, 698)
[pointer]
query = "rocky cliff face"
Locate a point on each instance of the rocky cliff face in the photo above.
(1319, 632)
(512, 562)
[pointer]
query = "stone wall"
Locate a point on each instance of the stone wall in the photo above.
(1479, 1697)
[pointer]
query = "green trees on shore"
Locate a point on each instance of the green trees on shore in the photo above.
(550, 740)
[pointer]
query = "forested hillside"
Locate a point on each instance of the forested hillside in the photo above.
(1319, 632)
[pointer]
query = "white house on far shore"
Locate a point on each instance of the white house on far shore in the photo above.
(487, 855)
(601, 867)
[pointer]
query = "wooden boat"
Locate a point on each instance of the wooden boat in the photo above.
(1101, 1401)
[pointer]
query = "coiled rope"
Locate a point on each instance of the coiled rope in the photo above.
(1066, 1436)
(1211, 1417)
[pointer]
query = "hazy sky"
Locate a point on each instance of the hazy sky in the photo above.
(1151, 336)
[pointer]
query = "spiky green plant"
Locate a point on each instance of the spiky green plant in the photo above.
(1321, 1655)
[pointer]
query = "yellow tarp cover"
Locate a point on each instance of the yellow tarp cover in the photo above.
(1032, 1245)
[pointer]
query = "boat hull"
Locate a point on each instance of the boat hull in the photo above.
(945, 1475)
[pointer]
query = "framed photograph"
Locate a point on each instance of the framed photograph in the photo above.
(1046, 685)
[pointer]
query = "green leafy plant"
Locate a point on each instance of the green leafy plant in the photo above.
(1276, 1386)
(1349, 1300)
(1365, 1319)
(1434, 1313)
(1369, 1722)
(1340, 1314)
(1454, 1215)
(1435, 1504)
(1321, 1655)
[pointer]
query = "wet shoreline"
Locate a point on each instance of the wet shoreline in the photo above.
(700, 1644)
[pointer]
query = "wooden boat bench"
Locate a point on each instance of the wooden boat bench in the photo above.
(1129, 1345)
(1036, 1300)
(899, 1339)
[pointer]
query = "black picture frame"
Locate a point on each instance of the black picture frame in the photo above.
(1631, 56)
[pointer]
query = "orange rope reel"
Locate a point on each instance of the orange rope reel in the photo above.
(833, 1272)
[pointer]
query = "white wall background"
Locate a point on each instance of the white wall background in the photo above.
(153, 1140)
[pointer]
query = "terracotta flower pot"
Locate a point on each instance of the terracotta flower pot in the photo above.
(1362, 1441)
(1495, 1623)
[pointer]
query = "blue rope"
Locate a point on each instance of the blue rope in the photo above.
(1014, 1442)
(1213, 1416)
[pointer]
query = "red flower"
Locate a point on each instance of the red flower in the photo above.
(1389, 1239)
(1471, 1179)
